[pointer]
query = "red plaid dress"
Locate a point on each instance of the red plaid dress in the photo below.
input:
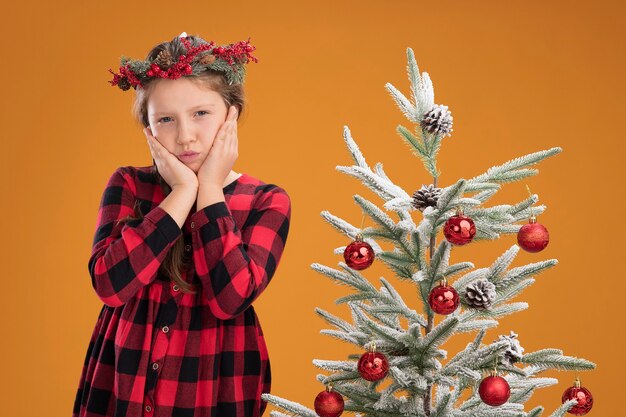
(156, 351)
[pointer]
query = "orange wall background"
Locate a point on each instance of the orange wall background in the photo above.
(518, 77)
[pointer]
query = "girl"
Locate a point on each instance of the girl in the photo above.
(182, 249)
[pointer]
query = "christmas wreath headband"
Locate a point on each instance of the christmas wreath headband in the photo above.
(229, 59)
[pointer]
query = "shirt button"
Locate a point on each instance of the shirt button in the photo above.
(165, 329)
(188, 248)
(155, 366)
(175, 287)
(192, 225)
(148, 408)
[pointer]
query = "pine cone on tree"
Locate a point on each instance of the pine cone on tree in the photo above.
(164, 59)
(515, 351)
(480, 294)
(438, 121)
(426, 196)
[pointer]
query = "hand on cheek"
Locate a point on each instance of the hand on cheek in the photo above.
(223, 153)
(175, 173)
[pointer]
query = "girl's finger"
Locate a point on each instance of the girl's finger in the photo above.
(157, 145)
(149, 134)
(232, 113)
(150, 146)
(232, 131)
(157, 150)
(232, 139)
(235, 142)
(149, 137)
(223, 131)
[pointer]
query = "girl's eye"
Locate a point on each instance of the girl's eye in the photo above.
(162, 119)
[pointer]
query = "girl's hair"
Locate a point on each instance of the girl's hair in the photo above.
(233, 95)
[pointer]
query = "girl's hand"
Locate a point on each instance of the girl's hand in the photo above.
(175, 173)
(223, 153)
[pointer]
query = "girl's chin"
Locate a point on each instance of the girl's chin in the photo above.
(194, 167)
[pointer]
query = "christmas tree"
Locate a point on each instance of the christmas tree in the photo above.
(398, 340)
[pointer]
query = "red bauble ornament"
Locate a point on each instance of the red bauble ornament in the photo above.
(373, 365)
(584, 397)
(459, 229)
(494, 390)
(328, 403)
(358, 254)
(533, 236)
(443, 299)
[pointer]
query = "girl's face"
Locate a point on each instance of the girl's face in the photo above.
(185, 118)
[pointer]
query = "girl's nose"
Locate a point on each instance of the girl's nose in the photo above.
(185, 135)
(183, 139)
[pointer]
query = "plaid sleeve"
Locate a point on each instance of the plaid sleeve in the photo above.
(235, 266)
(126, 255)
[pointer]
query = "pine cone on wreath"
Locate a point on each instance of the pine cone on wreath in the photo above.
(426, 196)
(480, 294)
(164, 59)
(207, 59)
(124, 84)
(438, 120)
(515, 351)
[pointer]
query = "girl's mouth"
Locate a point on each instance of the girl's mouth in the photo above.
(188, 156)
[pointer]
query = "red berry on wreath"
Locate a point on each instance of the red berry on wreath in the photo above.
(358, 254)
(443, 299)
(494, 390)
(328, 403)
(584, 397)
(533, 236)
(459, 229)
(373, 365)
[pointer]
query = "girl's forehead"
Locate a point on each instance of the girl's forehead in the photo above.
(171, 94)
(182, 86)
